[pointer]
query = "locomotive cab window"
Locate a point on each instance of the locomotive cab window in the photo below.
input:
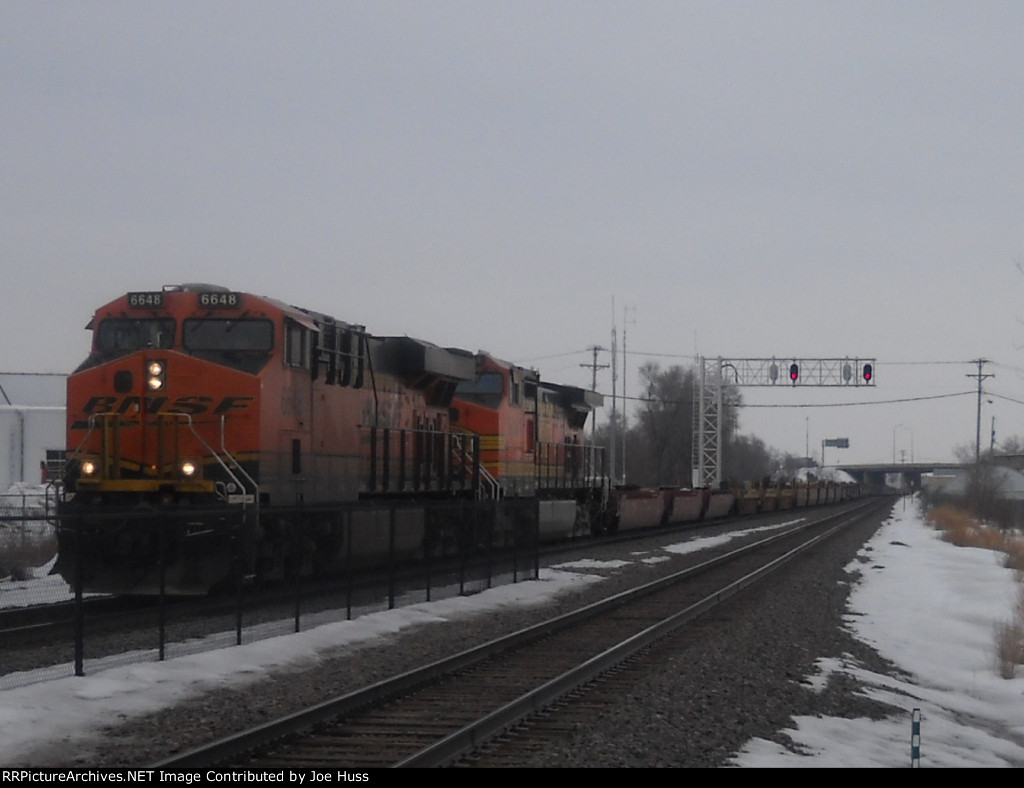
(342, 354)
(118, 336)
(486, 390)
(243, 344)
(515, 387)
(354, 351)
(220, 334)
(296, 347)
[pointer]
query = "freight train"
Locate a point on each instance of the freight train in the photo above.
(210, 431)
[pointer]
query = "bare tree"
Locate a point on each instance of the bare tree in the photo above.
(748, 459)
(660, 442)
(665, 423)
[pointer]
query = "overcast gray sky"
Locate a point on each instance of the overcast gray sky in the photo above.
(740, 179)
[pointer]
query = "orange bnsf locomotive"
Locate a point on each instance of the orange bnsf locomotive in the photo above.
(204, 417)
(532, 443)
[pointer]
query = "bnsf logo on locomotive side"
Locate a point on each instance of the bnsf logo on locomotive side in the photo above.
(192, 405)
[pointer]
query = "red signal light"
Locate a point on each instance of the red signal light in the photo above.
(869, 373)
(794, 372)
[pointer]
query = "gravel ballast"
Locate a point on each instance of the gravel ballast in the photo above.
(743, 680)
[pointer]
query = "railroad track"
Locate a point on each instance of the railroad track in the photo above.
(441, 713)
(43, 635)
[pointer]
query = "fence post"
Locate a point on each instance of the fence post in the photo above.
(486, 539)
(239, 554)
(79, 605)
(161, 523)
(348, 564)
(915, 738)
(299, 532)
(392, 559)
(430, 538)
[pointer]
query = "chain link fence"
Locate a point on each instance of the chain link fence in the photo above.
(255, 576)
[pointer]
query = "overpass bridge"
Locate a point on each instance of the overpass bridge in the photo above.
(911, 471)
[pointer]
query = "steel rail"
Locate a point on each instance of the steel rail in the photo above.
(456, 744)
(472, 736)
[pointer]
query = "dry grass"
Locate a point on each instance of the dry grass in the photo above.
(959, 528)
(22, 549)
(1009, 641)
(963, 530)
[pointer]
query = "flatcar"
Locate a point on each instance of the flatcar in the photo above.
(631, 508)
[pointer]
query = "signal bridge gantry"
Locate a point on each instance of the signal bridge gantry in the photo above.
(714, 374)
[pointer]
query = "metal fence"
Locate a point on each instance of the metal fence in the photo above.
(284, 572)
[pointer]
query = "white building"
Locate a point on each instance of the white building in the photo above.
(998, 491)
(32, 425)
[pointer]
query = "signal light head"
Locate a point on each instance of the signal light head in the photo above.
(794, 372)
(869, 373)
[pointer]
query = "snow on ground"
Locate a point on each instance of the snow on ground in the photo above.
(932, 609)
(926, 605)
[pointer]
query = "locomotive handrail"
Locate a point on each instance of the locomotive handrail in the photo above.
(217, 457)
(94, 417)
(238, 465)
(92, 425)
(567, 465)
(487, 480)
(436, 461)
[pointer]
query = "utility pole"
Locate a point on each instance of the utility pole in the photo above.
(625, 376)
(613, 438)
(593, 386)
(594, 365)
(979, 376)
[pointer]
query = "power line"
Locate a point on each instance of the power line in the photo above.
(589, 351)
(880, 361)
(692, 357)
(924, 363)
(824, 404)
(555, 355)
(1004, 397)
(856, 404)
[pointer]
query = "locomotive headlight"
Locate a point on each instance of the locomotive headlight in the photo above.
(88, 468)
(188, 468)
(156, 375)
